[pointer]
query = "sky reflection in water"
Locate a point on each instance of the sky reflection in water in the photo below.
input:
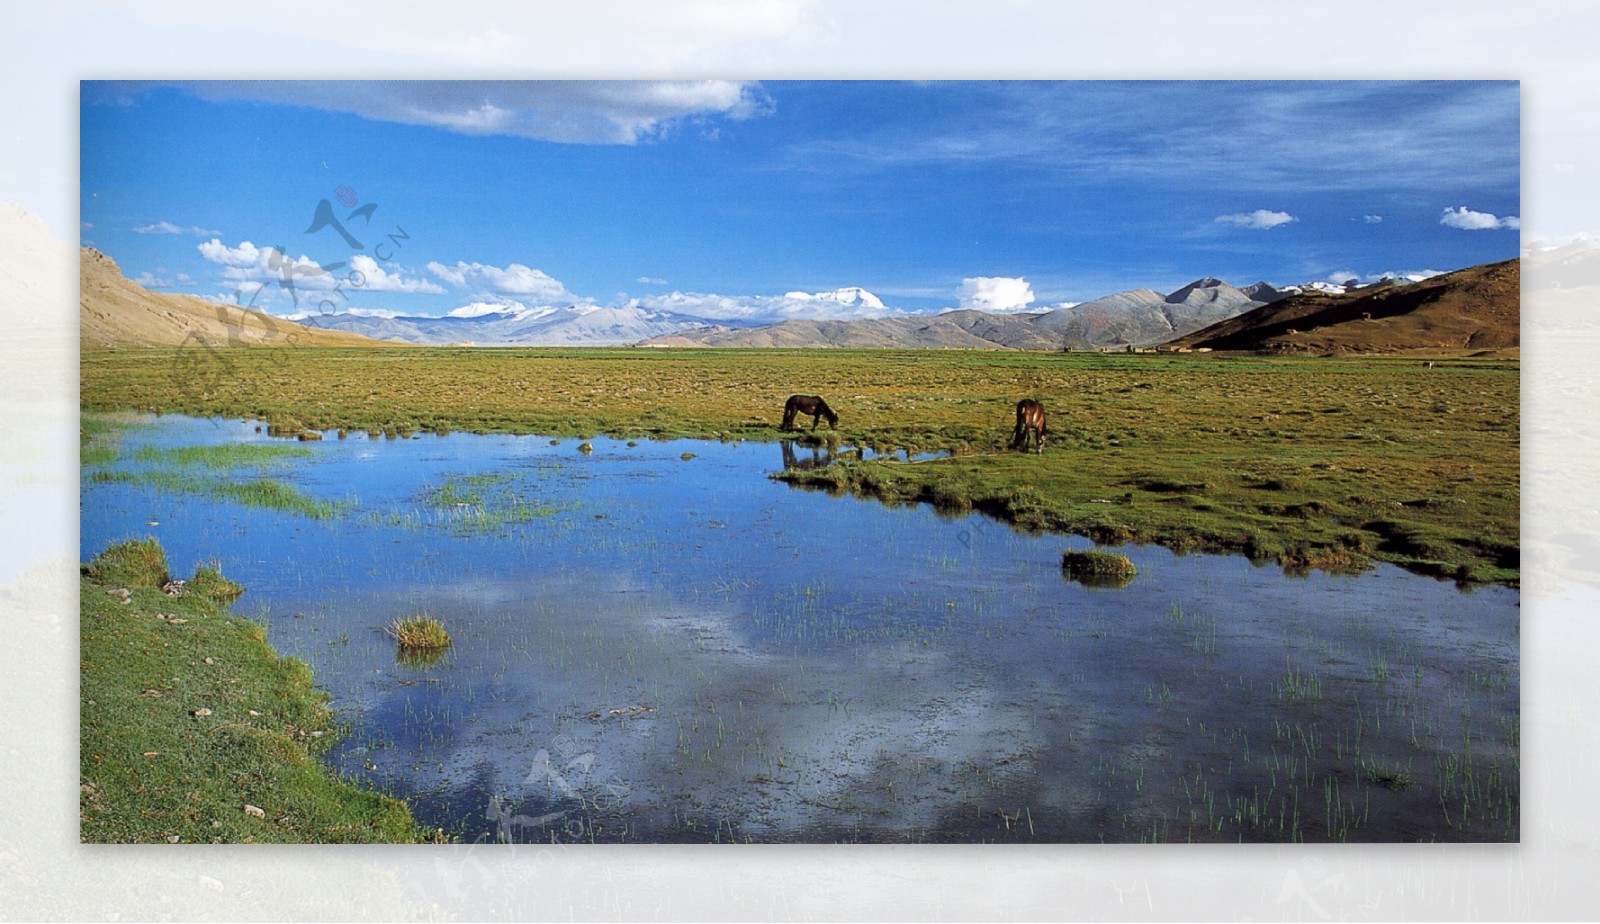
(654, 648)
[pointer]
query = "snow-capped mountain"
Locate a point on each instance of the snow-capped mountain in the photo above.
(574, 325)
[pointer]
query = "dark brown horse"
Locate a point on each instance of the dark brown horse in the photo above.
(808, 404)
(1030, 419)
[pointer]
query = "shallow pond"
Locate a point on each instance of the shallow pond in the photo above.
(656, 642)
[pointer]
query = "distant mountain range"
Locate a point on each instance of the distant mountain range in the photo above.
(1476, 309)
(577, 325)
(1137, 318)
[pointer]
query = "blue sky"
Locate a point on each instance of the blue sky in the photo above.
(720, 198)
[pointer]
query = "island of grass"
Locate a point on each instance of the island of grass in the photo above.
(1321, 462)
(193, 730)
(1098, 567)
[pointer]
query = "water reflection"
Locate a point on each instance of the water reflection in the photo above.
(814, 455)
(651, 650)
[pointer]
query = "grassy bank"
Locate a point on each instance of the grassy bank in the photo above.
(1315, 462)
(194, 731)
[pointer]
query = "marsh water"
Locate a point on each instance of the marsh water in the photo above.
(657, 642)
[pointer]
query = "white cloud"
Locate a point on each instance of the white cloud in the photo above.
(152, 282)
(1343, 276)
(375, 278)
(167, 227)
(1468, 220)
(271, 268)
(516, 279)
(995, 293)
(1372, 219)
(246, 254)
(360, 312)
(844, 304)
(1260, 219)
(575, 111)
(652, 281)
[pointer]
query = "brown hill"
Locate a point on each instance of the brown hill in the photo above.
(115, 312)
(1476, 309)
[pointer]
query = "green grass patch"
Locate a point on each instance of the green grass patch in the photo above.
(266, 493)
(1193, 451)
(488, 502)
(225, 457)
(194, 730)
(1098, 568)
(99, 436)
(134, 563)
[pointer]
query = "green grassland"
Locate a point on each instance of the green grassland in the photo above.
(188, 716)
(1313, 462)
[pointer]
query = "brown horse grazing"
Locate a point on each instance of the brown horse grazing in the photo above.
(808, 404)
(1030, 419)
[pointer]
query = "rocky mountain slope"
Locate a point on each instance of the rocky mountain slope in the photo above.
(1473, 309)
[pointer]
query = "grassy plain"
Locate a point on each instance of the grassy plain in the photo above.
(1313, 462)
(194, 731)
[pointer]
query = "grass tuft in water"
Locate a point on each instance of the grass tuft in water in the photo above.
(419, 634)
(1389, 778)
(1098, 568)
(1332, 561)
(209, 582)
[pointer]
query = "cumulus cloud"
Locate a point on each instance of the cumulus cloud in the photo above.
(245, 255)
(360, 312)
(1372, 219)
(845, 304)
(375, 278)
(574, 111)
(167, 227)
(1468, 220)
(652, 281)
(516, 279)
(361, 273)
(1260, 219)
(995, 293)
